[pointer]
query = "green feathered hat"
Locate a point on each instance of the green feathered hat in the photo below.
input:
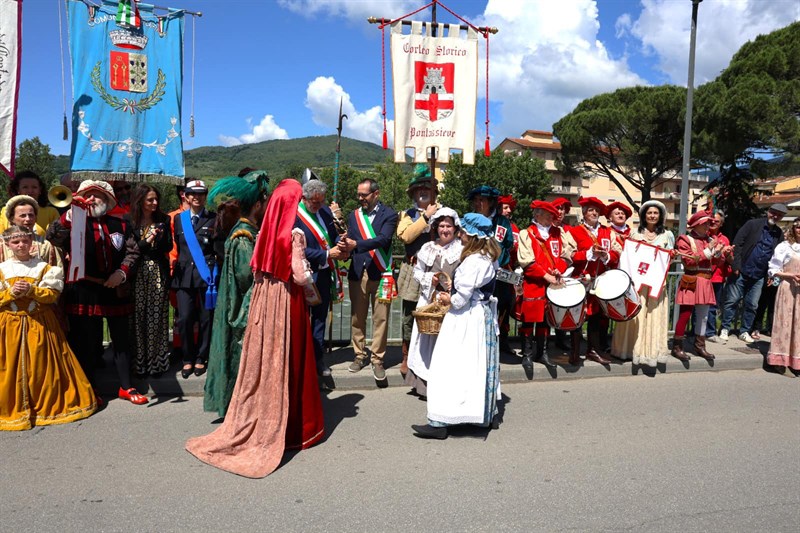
(248, 189)
(421, 177)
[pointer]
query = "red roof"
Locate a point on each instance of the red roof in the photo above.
(555, 146)
(538, 132)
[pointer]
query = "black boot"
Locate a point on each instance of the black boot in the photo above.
(527, 355)
(429, 432)
(575, 353)
(541, 352)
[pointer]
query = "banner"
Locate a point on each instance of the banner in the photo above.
(10, 54)
(646, 264)
(126, 85)
(435, 86)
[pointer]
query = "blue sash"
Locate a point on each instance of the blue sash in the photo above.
(200, 260)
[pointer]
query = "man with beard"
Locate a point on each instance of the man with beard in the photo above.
(412, 229)
(597, 250)
(109, 254)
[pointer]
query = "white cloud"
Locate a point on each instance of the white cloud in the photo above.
(545, 59)
(265, 130)
(322, 98)
(723, 26)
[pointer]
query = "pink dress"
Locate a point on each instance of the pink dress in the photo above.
(784, 350)
(695, 261)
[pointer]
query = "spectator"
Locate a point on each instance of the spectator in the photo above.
(753, 245)
(41, 382)
(441, 254)
(464, 375)
(414, 232)
(784, 350)
(195, 276)
(30, 184)
(371, 228)
(150, 323)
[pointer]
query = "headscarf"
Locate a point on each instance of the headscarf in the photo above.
(273, 251)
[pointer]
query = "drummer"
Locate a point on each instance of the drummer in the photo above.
(617, 215)
(597, 250)
(563, 205)
(539, 254)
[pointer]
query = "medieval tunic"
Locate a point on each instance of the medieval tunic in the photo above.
(784, 350)
(432, 258)
(585, 239)
(696, 263)
(538, 255)
(644, 338)
(230, 317)
(464, 374)
(41, 382)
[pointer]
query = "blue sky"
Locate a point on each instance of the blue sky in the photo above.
(268, 69)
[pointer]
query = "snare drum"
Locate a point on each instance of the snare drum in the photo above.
(566, 305)
(617, 295)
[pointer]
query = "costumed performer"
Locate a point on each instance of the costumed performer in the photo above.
(464, 382)
(22, 210)
(644, 338)
(276, 404)
(784, 350)
(413, 230)
(441, 254)
(240, 203)
(41, 382)
(617, 215)
(540, 249)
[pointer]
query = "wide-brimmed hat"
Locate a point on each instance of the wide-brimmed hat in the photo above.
(445, 212)
(619, 205)
(701, 217)
(558, 202)
(477, 225)
(652, 203)
(546, 206)
(483, 190)
(590, 201)
(102, 187)
(14, 201)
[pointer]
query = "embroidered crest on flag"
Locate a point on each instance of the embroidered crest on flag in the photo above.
(434, 85)
(128, 72)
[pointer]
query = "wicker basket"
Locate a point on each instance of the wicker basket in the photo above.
(429, 318)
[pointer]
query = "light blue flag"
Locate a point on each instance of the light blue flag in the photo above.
(126, 85)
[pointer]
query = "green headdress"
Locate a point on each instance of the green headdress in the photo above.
(248, 189)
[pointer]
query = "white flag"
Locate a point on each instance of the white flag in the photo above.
(435, 91)
(10, 48)
(646, 265)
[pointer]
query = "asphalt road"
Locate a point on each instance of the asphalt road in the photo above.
(681, 452)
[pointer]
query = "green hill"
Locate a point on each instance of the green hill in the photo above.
(276, 156)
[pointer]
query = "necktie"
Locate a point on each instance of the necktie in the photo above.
(195, 218)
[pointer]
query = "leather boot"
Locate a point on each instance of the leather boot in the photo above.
(527, 354)
(592, 353)
(677, 349)
(404, 362)
(575, 354)
(700, 348)
(541, 352)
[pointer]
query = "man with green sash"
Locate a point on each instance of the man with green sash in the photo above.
(315, 219)
(371, 228)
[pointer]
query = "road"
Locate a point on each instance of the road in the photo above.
(684, 452)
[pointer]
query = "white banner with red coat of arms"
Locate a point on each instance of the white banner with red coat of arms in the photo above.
(435, 86)
(10, 49)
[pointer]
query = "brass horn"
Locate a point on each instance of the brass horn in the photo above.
(59, 196)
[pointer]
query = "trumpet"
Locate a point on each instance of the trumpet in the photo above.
(59, 196)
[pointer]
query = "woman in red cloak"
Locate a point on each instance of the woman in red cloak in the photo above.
(276, 404)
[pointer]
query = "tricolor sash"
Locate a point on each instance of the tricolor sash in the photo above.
(387, 290)
(324, 239)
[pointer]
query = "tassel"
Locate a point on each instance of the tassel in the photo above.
(486, 149)
(385, 140)
(191, 126)
(65, 126)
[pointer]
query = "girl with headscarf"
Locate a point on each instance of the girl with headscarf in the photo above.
(276, 405)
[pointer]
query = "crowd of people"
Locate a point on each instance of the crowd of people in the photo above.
(252, 276)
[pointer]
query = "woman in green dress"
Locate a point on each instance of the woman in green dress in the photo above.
(240, 202)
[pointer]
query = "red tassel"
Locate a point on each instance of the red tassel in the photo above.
(486, 149)
(385, 140)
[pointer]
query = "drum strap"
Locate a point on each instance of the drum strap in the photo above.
(535, 240)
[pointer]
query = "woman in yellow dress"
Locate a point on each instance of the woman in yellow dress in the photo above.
(41, 382)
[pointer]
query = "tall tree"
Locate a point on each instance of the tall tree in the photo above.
(632, 135)
(524, 176)
(35, 156)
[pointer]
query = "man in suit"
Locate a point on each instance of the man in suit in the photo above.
(315, 219)
(370, 230)
(190, 287)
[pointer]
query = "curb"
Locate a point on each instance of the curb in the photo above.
(732, 356)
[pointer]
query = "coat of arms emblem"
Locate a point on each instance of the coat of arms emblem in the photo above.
(433, 90)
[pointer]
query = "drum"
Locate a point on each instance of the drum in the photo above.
(617, 295)
(566, 305)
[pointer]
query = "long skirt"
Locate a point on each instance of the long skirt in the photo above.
(784, 350)
(151, 318)
(644, 338)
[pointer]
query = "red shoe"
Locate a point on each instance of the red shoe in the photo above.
(133, 396)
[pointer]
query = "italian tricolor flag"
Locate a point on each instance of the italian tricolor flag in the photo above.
(128, 14)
